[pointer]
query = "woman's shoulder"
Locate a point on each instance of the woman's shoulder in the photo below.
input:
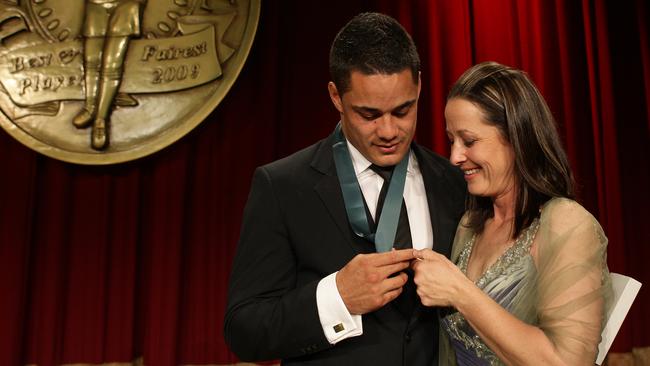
(463, 234)
(463, 225)
(560, 209)
(464, 219)
(564, 214)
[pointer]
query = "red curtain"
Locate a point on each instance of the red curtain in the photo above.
(108, 264)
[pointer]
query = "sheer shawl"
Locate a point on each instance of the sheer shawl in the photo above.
(569, 288)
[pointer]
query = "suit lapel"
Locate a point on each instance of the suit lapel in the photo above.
(431, 178)
(329, 191)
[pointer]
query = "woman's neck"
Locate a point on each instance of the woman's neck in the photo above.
(503, 207)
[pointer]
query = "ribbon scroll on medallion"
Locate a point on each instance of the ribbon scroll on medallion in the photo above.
(106, 81)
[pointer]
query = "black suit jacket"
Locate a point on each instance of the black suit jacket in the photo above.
(294, 233)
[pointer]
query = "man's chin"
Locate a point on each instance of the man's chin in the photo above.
(387, 160)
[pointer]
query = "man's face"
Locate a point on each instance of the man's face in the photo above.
(379, 114)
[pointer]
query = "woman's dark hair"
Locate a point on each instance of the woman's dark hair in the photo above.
(510, 101)
(372, 43)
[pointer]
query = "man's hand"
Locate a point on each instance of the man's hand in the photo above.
(365, 284)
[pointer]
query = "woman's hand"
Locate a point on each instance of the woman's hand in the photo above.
(439, 282)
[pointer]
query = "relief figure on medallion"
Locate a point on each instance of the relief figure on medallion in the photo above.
(108, 27)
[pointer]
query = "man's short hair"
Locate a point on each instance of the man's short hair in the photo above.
(372, 43)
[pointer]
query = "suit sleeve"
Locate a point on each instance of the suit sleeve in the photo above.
(267, 316)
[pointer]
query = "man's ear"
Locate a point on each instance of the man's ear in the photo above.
(335, 96)
(419, 83)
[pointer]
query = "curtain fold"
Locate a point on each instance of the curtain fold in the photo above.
(130, 262)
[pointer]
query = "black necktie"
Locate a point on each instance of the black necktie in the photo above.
(403, 234)
(405, 303)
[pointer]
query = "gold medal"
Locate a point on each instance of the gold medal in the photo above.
(107, 81)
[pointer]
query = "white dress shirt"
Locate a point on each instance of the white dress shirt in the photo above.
(338, 324)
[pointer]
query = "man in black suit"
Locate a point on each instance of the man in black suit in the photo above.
(312, 282)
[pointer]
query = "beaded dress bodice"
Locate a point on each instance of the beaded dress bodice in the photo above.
(503, 281)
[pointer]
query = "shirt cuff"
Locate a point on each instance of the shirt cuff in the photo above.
(337, 322)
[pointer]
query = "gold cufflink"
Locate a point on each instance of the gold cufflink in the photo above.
(339, 328)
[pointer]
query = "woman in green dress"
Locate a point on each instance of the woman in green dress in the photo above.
(527, 283)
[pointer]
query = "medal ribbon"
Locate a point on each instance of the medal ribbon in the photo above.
(384, 237)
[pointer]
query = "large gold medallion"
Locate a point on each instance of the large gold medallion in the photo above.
(106, 81)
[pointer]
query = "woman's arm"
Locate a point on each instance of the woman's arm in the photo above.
(569, 302)
(441, 283)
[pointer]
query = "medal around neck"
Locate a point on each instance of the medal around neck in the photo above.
(384, 237)
(107, 81)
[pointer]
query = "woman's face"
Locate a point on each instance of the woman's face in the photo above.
(480, 151)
